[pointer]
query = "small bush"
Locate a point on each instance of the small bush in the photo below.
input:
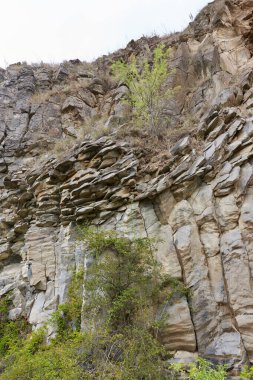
(62, 146)
(12, 333)
(199, 370)
(68, 316)
(148, 93)
(247, 372)
(37, 361)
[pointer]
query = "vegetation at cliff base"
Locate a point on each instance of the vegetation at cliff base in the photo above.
(109, 326)
(12, 333)
(119, 339)
(201, 369)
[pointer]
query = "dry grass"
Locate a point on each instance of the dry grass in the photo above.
(63, 146)
(72, 87)
(46, 65)
(154, 150)
(94, 129)
(87, 131)
(141, 137)
(197, 143)
(77, 67)
(151, 149)
(44, 96)
(69, 89)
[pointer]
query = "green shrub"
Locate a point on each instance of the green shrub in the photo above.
(38, 361)
(199, 370)
(130, 354)
(12, 333)
(68, 316)
(125, 285)
(247, 372)
(148, 93)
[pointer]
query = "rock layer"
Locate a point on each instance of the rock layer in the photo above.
(197, 202)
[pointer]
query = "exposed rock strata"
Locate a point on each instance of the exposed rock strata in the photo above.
(198, 204)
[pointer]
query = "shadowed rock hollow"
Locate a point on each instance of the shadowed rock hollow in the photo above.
(198, 201)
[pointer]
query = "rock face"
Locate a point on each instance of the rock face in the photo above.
(198, 202)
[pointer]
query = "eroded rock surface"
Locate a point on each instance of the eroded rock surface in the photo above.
(198, 203)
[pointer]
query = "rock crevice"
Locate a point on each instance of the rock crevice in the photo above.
(197, 201)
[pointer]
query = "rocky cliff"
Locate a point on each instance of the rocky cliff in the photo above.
(195, 198)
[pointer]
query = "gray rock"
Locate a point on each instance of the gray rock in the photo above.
(196, 202)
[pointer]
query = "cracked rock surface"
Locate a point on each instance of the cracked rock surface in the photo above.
(198, 203)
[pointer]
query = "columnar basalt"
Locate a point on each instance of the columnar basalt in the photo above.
(198, 203)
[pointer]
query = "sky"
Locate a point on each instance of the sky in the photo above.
(55, 30)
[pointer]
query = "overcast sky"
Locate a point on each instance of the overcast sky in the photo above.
(55, 30)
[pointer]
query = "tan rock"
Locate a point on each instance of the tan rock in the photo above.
(178, 334)
(227, 212)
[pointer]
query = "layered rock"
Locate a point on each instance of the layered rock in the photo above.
(197, 202)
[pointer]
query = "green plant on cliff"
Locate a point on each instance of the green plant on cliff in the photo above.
(199, 370)
(33, 358)
(12, 333)
(247, 372)
(148, 93)
(124, 287)
(122, 280)
(68, 316)
(37, 360)
(125, 282)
